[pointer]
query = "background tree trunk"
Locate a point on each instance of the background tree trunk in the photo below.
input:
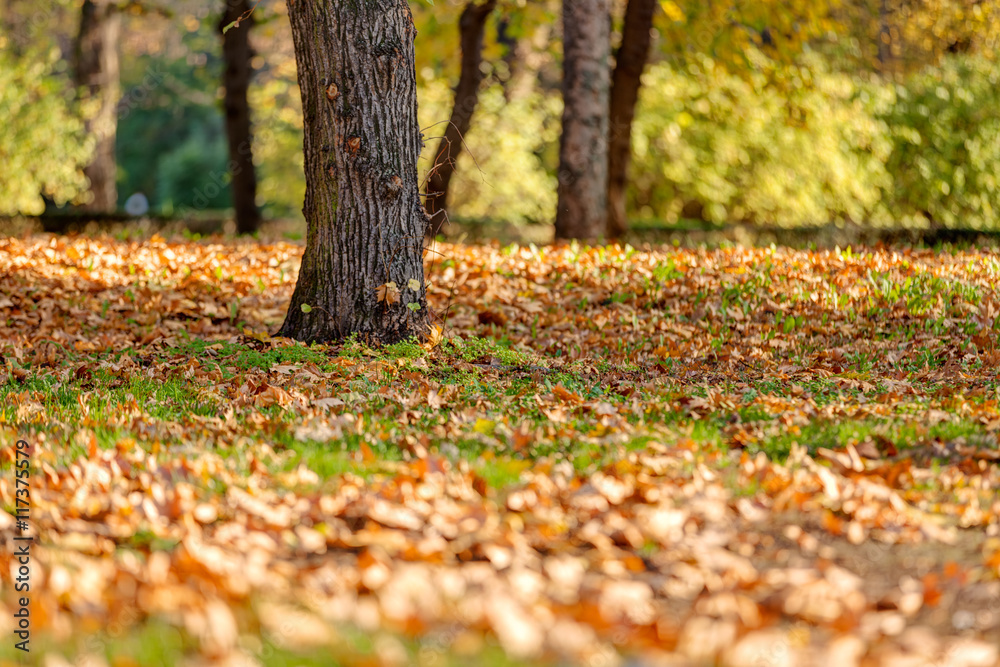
(510, 57)
(362, 139)
(581, 210)
(236, 80)
(630, 60)
(885, 59)
(97, 71)
(471, 26)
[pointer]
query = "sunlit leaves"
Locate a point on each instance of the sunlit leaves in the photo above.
(946, 158)
(512, 137)
(641, 449)
(723, 147)
(43, 146)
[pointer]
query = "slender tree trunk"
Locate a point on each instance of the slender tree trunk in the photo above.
(15, 27)
(97, 72)
(510, 55)
(362, 139)
(236, 80)
(581, 211)
(471, 26)
(630, 60)
(886, 62)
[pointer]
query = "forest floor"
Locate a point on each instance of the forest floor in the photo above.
(601, 456)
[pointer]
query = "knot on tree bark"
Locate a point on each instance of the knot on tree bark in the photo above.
(394, 185)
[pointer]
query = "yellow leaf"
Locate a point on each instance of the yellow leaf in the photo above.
(672, 11)
(434, 338)
(484, 426)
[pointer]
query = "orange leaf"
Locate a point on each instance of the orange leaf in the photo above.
(932, 592)
(566, 395)
(367, 455)
(388, 292)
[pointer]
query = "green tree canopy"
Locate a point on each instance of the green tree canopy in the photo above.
(43, 146)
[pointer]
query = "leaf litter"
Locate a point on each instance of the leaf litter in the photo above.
(601, 456)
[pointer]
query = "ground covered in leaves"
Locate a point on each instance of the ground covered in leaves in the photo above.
(601, 456)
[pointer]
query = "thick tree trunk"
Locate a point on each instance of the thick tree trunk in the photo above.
(630, 60)
(97, 72)
(581, 210)
(236, 54)
(362, 139)
(471, 26)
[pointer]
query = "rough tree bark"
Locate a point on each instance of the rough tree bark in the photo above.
(471, 27)
(236, 54)
(97, 72)
(630, 60)
(365, 221)
(581, 210)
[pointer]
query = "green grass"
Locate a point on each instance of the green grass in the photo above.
(154, 643)
(484, 350)
(489, 390)
(243, 358)
(904, 434)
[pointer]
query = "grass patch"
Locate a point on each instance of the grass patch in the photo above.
(155, 643)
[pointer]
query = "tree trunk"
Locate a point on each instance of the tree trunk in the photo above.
(510, 55)
(885, 60)
(581, 210)
(629, 62)
(236, 80)
(97, 72)
(365, 222)
(15, 27)
(471, 26)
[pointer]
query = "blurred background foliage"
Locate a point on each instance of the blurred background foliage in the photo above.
(881, 112)
(945, 130)
(43, 142)
(784, 145)
(508, 172)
